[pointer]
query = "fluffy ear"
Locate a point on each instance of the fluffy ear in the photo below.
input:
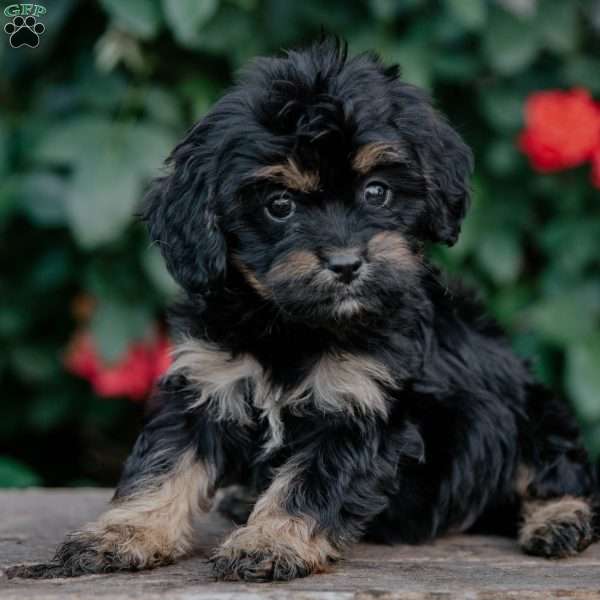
(447, 163)
(180, 212)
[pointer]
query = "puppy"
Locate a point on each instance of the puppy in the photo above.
(320, 362)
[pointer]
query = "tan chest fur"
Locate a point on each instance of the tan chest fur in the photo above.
(340, 382)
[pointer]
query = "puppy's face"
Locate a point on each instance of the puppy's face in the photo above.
(316, 180)
(333, 238)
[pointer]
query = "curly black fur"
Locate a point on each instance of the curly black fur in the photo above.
(463, 437)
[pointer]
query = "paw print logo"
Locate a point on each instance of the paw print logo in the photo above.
(24, 32)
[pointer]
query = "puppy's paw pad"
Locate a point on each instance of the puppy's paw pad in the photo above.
(559, 534)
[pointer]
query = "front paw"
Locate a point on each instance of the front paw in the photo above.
(80, 554)
(88, 552)
(276, 551)
(258, 565)
(557, 529)
(85, 553)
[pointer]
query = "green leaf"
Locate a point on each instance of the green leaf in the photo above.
(51, 270)
(201, 93)
(583, 376)
(106, 184)
(583, 71)
(386, 10)
(101, 199)
(34, 363)
(564, 318)
(502, 157)
(416, 56)
(9, 186)
(162, 106)
(502, 107)
(456, 67)
(13, 320)
(43, 198)
(140, 17)
(471, 14)
(557, 236)
(186, 18)
(15, 474)
(231, 35)
(509, 301)
(539, 355)
(510, 44)
(155, 268)
(116, 325)
(50, 410)
(558, 26)
(500, 256)
(4, 141)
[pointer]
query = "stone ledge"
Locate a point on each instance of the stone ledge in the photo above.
(34, 521)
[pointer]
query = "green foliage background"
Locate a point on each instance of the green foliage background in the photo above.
(88, 116)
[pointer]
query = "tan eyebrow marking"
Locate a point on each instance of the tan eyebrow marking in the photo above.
(290, 175)
(376, 154)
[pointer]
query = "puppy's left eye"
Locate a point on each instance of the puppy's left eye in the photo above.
(280, 207)
(377, 194)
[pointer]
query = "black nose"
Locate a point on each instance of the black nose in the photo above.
(345, 265)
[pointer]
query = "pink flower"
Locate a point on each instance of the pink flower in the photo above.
(562, 129)
(133, 375)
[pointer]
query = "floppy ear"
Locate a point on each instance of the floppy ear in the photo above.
(447, 164)
(180, 212)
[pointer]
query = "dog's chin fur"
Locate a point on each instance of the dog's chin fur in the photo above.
(389, 406)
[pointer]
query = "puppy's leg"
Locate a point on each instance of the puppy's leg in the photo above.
(555, 482)
(275, 543)
(317, 503)
(167, 480)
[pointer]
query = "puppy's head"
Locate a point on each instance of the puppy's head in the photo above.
(316, 179)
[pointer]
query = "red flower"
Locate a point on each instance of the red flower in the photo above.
(132, 376)
(562, 129)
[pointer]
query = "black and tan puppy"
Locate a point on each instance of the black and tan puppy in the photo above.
(320, 361)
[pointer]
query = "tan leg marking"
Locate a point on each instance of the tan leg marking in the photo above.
(556, 528)
(150, 527)
(274, 544)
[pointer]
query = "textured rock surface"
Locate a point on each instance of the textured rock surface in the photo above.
(33, 522)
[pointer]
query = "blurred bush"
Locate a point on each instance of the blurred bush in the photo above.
(88, 116)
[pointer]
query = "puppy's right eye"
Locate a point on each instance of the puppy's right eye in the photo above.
(280, 207)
